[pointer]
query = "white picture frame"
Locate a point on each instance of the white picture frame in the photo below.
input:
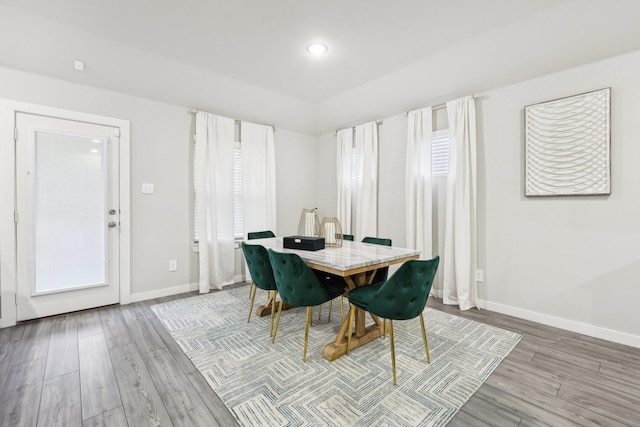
(567, 146)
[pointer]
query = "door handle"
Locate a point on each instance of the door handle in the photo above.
(112, 224)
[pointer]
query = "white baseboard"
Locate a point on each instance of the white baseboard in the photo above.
(558, 322)
(164, 292)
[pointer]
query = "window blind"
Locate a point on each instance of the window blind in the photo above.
(440, 152)
(238, 217)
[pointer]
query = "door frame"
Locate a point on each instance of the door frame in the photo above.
(8, 228)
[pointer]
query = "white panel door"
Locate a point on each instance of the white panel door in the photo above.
(67, 214)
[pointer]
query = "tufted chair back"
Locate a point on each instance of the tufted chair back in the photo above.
(297, 284)
(382, 273)
(260, 234)
(257, 259)
(404, 295)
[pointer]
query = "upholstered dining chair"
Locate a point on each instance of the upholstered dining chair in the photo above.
(298, 286)
(382, 273)
(347, 237)
(259, 264)
(258, 235)
(401, 297)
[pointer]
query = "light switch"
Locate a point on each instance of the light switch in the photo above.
(147, 188)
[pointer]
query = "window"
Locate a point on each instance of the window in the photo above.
(238, 217)
(440, 153)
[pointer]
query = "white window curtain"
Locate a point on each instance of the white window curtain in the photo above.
(418, 182)
(460, 235)
(214, 148)
(343, 167)
(366, 207)
(258, 177)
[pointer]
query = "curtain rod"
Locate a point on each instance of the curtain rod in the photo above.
(353, 128)
(236, 121)
(444, 104)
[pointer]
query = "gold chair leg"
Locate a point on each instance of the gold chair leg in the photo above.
(330, 308)
(275, 331)
(306, 332)
(341, 309)
(393, 351)
(250, 288)
(424, 338)
(351, 313)
(273, 311)
(252, 294)
(384, 328)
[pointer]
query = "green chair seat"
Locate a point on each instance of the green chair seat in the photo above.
(401, 297)
(299, 286)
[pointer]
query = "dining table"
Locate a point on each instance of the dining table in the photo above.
(357, 263)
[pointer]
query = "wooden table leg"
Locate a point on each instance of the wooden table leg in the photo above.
(363, 334)
(265, 309)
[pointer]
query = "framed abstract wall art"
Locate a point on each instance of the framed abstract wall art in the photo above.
(567, 146)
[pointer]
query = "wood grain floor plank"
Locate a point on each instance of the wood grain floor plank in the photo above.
(182, 359)
(465, 419)
(183, 403)
(35, 341)
(524, 407)
(62, 356)
(515, 372)
(112, 418)
(13, 333)
(99, 389)
(89, 323)
(142, 332)
(221, 413)
(8, 352)
(489, 413)
(21, 394)
(60, 402)
(115, 328)
(611, 406)
(140, 398)
(563, 409)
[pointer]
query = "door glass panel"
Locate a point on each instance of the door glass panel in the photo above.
(69, 199)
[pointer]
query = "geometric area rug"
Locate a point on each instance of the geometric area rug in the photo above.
(265, 384)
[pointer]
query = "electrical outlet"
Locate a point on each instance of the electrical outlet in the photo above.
(148, 188)
(479, 276)
(173, 265)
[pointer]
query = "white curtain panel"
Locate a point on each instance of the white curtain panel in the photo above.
(214, 148)
(366, 207)
(459, 267)
(418, 182)
(258, 177)
(343, 168)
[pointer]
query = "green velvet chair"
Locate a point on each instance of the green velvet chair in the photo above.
(382, 273)
(347, 237)
(258, 235)
(299, 286)
(259, 264)
(403, 296)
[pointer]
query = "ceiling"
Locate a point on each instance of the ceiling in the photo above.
(261, 45)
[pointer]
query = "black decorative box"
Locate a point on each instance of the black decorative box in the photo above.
(303, 242)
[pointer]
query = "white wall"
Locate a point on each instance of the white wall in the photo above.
(161, 224)
(572, 262)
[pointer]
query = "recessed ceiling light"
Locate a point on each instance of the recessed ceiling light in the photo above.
(317, 49)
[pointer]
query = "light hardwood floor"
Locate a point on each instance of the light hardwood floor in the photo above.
(118, 366)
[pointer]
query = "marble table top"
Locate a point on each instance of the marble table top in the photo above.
(351, 256)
